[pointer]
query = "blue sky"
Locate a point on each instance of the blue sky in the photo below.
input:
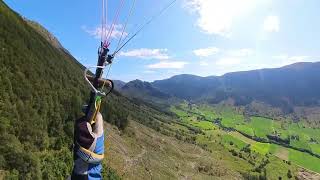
(202, 37)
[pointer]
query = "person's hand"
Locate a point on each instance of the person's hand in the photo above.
(97, 127)
(89, 140)
(89, 148)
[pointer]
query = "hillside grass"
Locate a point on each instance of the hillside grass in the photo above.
(143, 153)
(304, 160)
(228, 139)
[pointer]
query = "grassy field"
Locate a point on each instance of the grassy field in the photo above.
(245, 129)
(281, 159)
(261, 126)
(262, 148)
(304, 160)
(301, 135)
(280, 152)
(229, 139)
(315, 148)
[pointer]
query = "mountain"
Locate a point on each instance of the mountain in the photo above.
(288, 87)
(145, 91)
(118, 84)
(45, 33)
(293, 85)
(187, 86)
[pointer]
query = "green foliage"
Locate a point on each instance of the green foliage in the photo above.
(253, 176)
(110, 174)
(56, 163)
(289, 174)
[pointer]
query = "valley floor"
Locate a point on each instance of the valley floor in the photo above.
(241, 136)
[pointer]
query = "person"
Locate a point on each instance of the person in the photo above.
(88, 149)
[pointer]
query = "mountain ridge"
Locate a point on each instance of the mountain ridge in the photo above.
(290, 66)
(295, 84)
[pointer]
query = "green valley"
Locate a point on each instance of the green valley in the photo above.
(227, 126)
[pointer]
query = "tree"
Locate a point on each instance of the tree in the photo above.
(289, 174)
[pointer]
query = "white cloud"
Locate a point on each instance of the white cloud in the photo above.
(285, 59)
(271, 24)
(97, 32)
(218, 16)
(149, 72)
(291, 58)
(205, 52)
(168, 65)
(233, 63)
(204, 63)
(145, 53)
(228, 61)
(299, 58)
(228, 57)
(281, 57)
(241, 52)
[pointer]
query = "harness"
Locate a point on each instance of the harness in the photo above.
(88, 156)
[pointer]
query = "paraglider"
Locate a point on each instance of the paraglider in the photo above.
(88, 130)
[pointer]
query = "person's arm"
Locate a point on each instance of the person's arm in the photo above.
(89, 149)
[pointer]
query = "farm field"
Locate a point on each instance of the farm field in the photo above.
(300, 134)
(199, 116)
